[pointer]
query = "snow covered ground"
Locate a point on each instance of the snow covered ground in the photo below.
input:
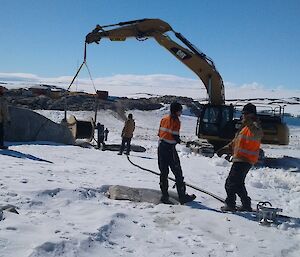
(64, 212)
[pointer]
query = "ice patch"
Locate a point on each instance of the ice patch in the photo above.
(49, 192)
(50, 249)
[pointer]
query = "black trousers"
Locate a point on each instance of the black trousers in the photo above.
(168, 158)
(100, 141)
(235, 184)
(1, 133)
(127, 141)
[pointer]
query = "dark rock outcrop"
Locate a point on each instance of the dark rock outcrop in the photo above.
(80, 101)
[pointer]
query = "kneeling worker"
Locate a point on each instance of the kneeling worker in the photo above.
(167, 155)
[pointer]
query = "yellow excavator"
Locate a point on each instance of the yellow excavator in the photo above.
(217, 122)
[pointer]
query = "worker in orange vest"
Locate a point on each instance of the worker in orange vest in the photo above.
(167, 155)
(245, 148)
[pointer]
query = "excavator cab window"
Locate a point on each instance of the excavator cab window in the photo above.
(210, 120)
(216, 121)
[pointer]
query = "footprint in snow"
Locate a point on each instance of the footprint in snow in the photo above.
(166, 221)
(11, 228)
(12, 194)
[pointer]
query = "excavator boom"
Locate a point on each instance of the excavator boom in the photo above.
(137, 28)
(194, 59)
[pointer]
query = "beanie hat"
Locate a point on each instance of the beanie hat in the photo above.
(175, 107)
(249, 108)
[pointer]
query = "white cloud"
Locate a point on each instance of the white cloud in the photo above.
(18, 77)
(256, 90)
(155, 84)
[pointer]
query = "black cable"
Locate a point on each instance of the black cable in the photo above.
(187, 184)
(198, 188)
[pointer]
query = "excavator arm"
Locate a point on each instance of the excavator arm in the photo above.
(188, 54)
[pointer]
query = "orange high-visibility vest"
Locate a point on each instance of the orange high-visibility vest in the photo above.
(167, 128)
(246, 146)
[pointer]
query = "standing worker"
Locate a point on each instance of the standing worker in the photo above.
(4, 117)
(106, 131)
(167, 155)
(100, 136)
(127, 134)
(245, 147)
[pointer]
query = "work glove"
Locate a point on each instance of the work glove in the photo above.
(177, 139)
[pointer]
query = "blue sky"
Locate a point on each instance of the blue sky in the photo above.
(249, 41)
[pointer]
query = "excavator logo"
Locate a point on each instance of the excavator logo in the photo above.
(181, 54)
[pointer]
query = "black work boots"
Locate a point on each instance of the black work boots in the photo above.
(182, 200)
(228, 208)
(187, 198)
(165, 199)
(244, 208)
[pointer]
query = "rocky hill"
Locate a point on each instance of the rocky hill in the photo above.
(58, 99)
(81, 101)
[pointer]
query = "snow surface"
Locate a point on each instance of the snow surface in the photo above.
(63, 210)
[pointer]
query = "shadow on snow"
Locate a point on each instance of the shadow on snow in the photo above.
(13, 153)
(286, 162)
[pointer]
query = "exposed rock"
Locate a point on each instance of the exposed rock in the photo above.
(86, 102)
(118, 192)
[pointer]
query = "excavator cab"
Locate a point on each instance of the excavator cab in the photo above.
(219, 123)
(216, 124)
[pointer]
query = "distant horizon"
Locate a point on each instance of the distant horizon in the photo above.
(135, 80)
(137, 86)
